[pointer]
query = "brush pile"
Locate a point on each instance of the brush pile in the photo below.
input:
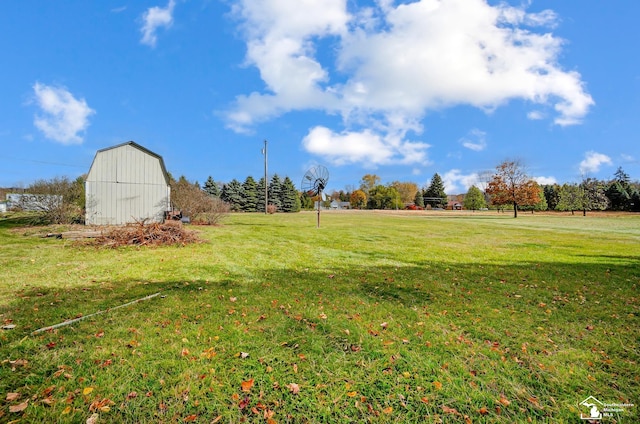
(143, 234)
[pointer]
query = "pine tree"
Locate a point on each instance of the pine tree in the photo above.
(275, 192)
(419, 200)
(232, 193)
(250, 198)
(211, 187)
(260, 194)
(290, 198)
(436, 190)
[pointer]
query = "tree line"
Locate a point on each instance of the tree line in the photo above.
(507, 188)
(249, 196)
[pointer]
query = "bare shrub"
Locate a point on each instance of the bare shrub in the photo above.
(215, 211)
(55, 201)
(197, 204)
(272, 209)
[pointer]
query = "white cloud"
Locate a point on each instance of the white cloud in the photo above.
(593, 161)
(535, 115)
(457, 183)
(391, 64)
(154, 18)
(475, 140)
(366, 147)
(63, 116)
(545, 180)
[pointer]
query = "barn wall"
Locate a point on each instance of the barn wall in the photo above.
(125, 184)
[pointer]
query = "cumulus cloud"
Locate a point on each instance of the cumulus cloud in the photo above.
(455, 182)
(366, 147)
(593, 161)
(62, 117)
(388, 65)
(154, 18)
(545, 180)
(475, 140)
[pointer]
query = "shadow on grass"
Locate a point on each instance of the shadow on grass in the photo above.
(606, 288)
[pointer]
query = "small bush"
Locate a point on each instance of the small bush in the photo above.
(272, 209)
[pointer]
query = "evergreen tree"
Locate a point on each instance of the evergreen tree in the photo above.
(211, 187)
(474, 199)
(619, 191)
(232, 193)
(290, 198)
(419, 200)
(552, 195)
(250, 198)
(436, 190)
(594, 194)
(306, 202)
(260, 207)
(275, 192)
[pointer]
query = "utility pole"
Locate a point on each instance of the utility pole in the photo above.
(266, 182)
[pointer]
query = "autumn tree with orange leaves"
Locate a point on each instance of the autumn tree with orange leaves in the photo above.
(511, 185)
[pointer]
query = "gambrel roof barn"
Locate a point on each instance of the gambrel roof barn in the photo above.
(126, 183)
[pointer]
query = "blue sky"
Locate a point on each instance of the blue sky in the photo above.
(402, 89)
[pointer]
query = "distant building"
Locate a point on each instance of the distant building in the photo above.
(337, 205)
(33, 202)
(126, 183)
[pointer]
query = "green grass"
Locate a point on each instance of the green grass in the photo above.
(378, 317)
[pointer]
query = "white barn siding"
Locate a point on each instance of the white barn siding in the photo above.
(126, 183)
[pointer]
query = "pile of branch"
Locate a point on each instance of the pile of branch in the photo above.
(143, 234)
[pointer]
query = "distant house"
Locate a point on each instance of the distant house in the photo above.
(3, 206)
(33, 202)
(336, 205)
(126, 183)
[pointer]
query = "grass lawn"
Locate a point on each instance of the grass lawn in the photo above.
(382, 317)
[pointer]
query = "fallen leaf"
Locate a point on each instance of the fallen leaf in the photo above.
(19, 407)
(424, 399)
(384, 325)
(448, 410)
(244, 402)
(437, 385)
(184, 352)
(247, 385)
(66, 410)
(352, 394)
(503, 400)
(93, 419)
(233, 299)
(244, 355)
(100, 334)
(87, 390)
(12, 396)
(294, 388)
(483, 410)
(388, 410)
(132, 395)
(48, 400)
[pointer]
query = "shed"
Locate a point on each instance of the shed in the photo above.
(126, 183)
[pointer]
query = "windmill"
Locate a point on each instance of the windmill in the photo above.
(314, 182)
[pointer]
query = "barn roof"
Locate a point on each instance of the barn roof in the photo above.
(142, 149)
